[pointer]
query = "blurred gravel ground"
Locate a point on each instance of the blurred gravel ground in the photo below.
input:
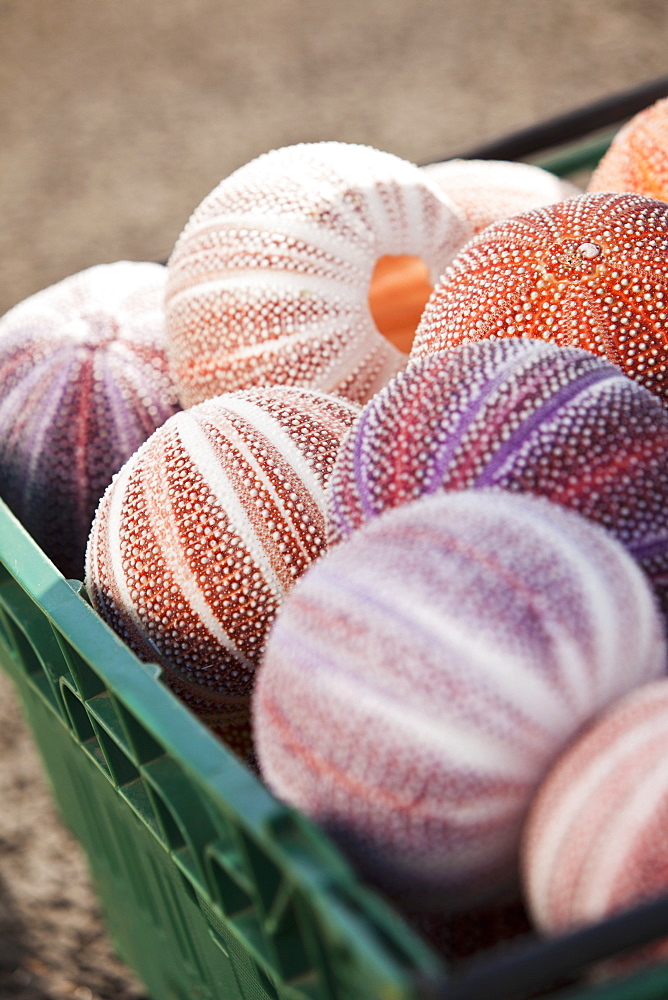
(117, 119)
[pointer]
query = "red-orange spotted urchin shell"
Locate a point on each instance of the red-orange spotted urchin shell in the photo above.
(589, 272)
(269, 282)
(486, 191)
(204, 531)
(83, 382)
(637, 159)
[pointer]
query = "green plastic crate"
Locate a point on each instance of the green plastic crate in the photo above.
(211, 889)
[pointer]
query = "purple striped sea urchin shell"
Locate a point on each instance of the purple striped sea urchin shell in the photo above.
(269, 281)
(523, 415)
(424, 674)
(83, 382)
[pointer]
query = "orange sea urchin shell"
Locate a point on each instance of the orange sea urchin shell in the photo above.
(637, 159)
(269, 281)
(589, 272)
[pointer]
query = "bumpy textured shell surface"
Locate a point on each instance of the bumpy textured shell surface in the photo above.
(522, 415)
(488, 190)
(204, 531)
(588, 272)
(637, 159)
(269, 281)
(595, 840)
(83, 382)
(424, 674)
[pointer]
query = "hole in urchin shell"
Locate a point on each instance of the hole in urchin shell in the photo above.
(399, 289)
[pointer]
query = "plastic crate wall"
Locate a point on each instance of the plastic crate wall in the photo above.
(210, 888)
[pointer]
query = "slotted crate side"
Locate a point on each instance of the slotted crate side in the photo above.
(207, 883)
(153, 921)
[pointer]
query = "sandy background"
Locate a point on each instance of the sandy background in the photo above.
(116, 119)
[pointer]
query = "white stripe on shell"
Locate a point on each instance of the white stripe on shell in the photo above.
(236, 438)
(116, 493)
(304, 227)
(458, 747)
(124, 377)
(583, 689)
(414, 238)
(514, 678)
(278, 437)
(176, 564)
(57, 378)
(205, 460)
(173, 550)
(607, 636)
(273, 282)
(384, 233)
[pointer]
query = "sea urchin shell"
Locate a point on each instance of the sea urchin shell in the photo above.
(523, 415)
(594, 843)
(83, 382)
(589, 272)
(637, 159)
(269, 281)
(204, 531)
(423, 675)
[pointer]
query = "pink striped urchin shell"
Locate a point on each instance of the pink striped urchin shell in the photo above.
(83, 382)
(595, 840)
(637, 159)
(486, 191)
(424, 674)
(523, 415)
(204, 531)
(589, 272)
(269, 281)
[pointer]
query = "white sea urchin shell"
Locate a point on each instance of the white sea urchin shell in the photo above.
(486, 191)
(269, 281)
